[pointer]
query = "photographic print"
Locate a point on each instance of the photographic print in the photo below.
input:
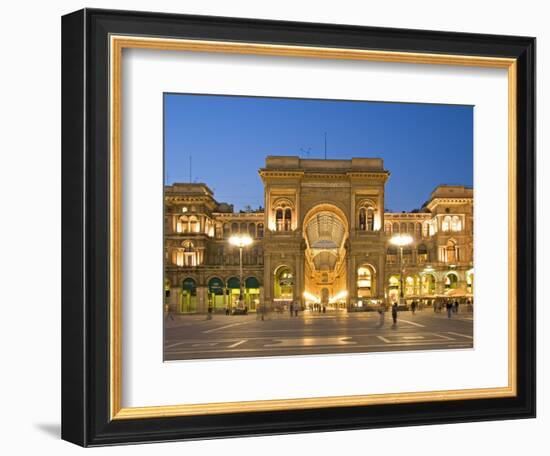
(302, 227)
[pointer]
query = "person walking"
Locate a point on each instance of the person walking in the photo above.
(456, 306)
(381, 314)
(449, 309)
(209, 314)
(394, 313)
(413, 307)
(291, 307)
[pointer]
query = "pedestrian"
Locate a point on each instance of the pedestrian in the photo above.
(394, 313)
(291, 307)
(449, 309)
(456, 306)
(413, 307)
(209, 315)
(381, 313)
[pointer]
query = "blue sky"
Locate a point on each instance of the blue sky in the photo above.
(228, 138)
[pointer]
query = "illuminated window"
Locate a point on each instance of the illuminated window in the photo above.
(456, 223)
(364, 282)
(451, 252)
(283, 218)
(446, 224)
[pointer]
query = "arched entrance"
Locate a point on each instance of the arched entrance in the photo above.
(284, 284)
(451, 281)
(283, 287)
(428, 284)
(188, 303)
(234, 291)
(394, 287)
(325, 230)
(251, 293)
(366, 285)
(216, 293)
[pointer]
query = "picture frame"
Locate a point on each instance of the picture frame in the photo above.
(92, 365)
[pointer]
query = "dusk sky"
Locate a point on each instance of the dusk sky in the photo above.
(422, 145)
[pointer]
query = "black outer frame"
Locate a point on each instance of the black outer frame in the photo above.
(85, 227)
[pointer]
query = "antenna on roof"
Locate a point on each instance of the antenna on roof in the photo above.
(325, 145)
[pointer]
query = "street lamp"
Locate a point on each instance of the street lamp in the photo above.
(401, 240)
(240, 241)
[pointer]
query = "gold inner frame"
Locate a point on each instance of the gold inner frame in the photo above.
(117, 44)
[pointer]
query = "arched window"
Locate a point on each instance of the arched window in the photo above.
(260, 230)
(387, 228)
(418, 230)
(451, 251)
(234, 228)
(403, 227)
(362, 219)
(182, 225)
(252, 230)
(456, 224)
(396, 227)
(283, 218)
(446, 224)
(226, 230)
(243, 228)
(288, 219)
(370, 219)
(279, 220)
(411, 228)
(193, 224)
(187, 255)
(425, 229)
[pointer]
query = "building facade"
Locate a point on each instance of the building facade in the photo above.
(322, 237)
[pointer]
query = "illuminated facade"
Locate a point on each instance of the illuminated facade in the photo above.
(323, 238)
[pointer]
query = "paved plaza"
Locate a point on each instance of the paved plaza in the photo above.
(337, 332)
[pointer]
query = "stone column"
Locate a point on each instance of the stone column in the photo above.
(300, 282)
(350, 277)
(268, 285)
(381, 275)
(202, 300)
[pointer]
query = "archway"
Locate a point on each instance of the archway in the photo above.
(394, 287)
(366, 284)
(451, 281)
(325, 230)
(188, 303)
(234, 291)
(252, 293)
(283, 285)
(216, 296)
(428, 284)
